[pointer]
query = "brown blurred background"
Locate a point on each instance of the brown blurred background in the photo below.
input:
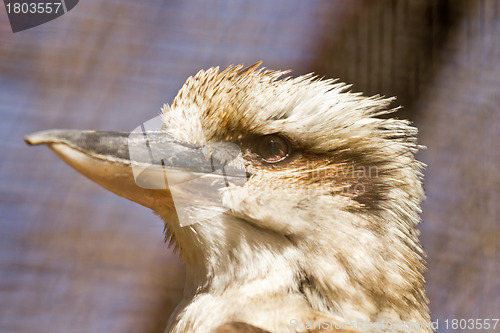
(76, 258)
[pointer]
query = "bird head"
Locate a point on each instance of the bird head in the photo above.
(259, 175)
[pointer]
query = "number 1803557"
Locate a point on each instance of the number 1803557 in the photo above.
(33, 8)
(472, 324)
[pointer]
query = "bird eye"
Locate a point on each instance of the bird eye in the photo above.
(272, 148)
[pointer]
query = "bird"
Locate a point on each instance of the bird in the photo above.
(293, 201)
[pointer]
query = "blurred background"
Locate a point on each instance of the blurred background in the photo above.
(76, 258)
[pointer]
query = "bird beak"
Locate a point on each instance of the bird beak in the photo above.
(150, 168)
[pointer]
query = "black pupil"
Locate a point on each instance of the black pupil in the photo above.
(273, 149)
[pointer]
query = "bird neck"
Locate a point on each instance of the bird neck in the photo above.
(359, 267)
(228, 252)
(365, 266)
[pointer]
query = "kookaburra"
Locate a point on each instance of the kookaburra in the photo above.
(314, 226)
